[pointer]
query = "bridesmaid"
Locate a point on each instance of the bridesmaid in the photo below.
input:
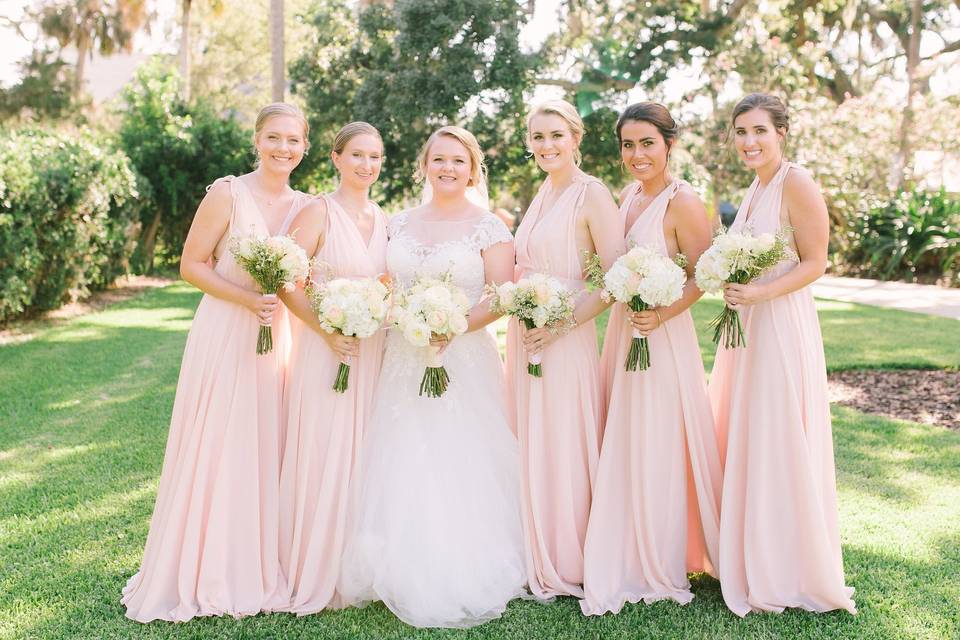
(779, 537)
(212, 545)
(558, 417)
(656, 504)
(346, 231)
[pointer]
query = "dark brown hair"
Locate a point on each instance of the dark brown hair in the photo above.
(771, 104)
(653, 113)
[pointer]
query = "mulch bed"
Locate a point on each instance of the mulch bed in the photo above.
(928, 397)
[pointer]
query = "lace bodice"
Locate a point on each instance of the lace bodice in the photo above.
(432, 248)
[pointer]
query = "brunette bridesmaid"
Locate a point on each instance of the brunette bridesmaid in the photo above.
(558, 417)
(779, 537)
(346, 233)
(212, 545)
(656, 505)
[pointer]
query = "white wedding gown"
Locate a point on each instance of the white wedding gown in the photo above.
(436, 530)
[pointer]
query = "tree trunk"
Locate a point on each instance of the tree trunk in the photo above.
(276, 50)
(83, 50)
(148, 243)
(185, 46)
(913, 61)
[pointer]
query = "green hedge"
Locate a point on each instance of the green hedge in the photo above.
(69, 212)
(916, 235)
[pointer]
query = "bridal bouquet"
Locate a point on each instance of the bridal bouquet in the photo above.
(431, 307)
(538, 301)
(273, 262)
(350, 307)
(644, 279)
(736, 258)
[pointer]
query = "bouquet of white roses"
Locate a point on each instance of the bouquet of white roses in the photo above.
(350, 307)
(431, 306)
(273, 262)
(538, 301)
(736, 258)
(644, 279)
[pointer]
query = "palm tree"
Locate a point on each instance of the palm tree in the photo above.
(105, 25)
(278, 84)
(186, 7)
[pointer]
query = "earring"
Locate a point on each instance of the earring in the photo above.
(528, 155)
(623, 166)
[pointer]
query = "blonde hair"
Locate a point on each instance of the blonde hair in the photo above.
(478, 169)
(565, 111)
(350, 131)
(275, 109)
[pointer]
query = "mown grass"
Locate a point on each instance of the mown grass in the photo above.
(83, 418)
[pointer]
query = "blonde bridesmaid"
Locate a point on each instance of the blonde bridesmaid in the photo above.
(558, 417)
(656, 505)
(779, 537)
(212, 545)
(346, 232)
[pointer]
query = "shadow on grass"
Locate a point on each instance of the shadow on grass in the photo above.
(883, 457)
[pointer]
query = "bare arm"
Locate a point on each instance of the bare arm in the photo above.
(311, 224)
(807, 214)
(498, 263)
(691, 227)
(606, 232)
(210, 223)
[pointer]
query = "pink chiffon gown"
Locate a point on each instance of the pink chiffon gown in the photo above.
(212, 546)
(325, 429)
(656, 502)
(779, 535)
(558, 416)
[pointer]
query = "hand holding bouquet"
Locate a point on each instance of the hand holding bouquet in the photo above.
(273, 262)
(736, 258)
(350, 307)
(538, 301)
(431, 307)
(644, 279)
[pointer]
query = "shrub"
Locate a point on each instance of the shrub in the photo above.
(915, 235)
(68, 218)
(179, 148)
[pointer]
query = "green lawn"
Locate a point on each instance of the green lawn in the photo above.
(83, 418)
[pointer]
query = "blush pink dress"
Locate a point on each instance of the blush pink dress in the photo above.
(212, 545)
(325, 429)
(558, 416)
(779, 536)
(656, 502)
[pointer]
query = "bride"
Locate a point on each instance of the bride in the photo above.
(436, 530)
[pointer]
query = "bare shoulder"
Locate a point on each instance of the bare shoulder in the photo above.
(626, 191)
(597, 194)
(687, 200)
(801, 193)
(799, 180)
(219, 193)
(313, 213)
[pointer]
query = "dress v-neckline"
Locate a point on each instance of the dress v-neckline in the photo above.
(752, 194)
(259, 209)
(540, 209)
(646, 208)
(373, 231)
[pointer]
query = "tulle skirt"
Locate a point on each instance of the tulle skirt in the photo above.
(435, 523)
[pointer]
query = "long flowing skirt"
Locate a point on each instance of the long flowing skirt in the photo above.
(435, 523)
